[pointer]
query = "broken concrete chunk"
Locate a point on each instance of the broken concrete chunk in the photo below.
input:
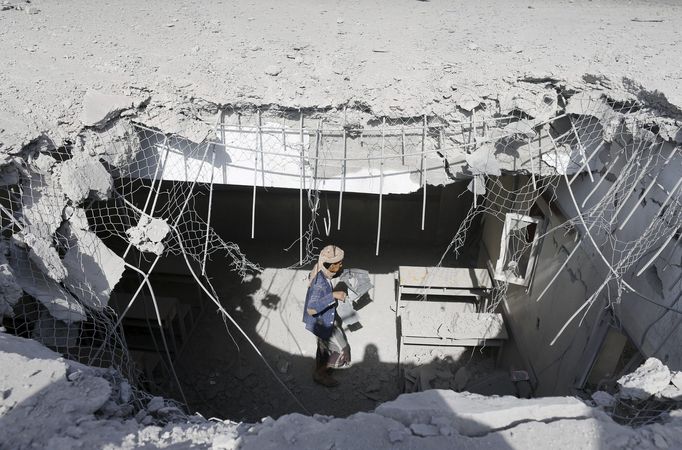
(45, 257)
(60, 304)
(148, 234)
(564, 159)
(473, 414)
(467, 101)
(477, 185)
(483, 161)
(125, 392)
(538, 103)
(43, 163)
(94, 269)
(43, 203)
(398, 435)
(77, 218)
(640, 134)
(587, 103)
(155, 404)
(592, 103)
(650, 378)
(522, 129)
(99, 109)
(424, 430)
(668, 129)
(117, 146)
(81, 177)
(671, 392)
(10, 291)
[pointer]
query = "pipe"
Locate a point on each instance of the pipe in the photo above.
(300, 199)
(423, 175)
(646, 191)
(343, 170)
(381, 191)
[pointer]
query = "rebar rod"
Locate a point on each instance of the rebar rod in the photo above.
(258, 152)
(423, 175)
(343, 171)
(601, 180)
(366, 158)
(630, 190)
(260, 148)
(208, 219)
(300, 196)
(581, 148)
(381, 191)
(587, 162)
(402, 145)
(530, 161)
(646, 191)
(660, 210)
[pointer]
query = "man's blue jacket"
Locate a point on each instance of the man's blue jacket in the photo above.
(320, 298)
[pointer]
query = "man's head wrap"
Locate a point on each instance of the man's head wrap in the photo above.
(329, 255)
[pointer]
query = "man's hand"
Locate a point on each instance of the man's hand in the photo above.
(311, 311)
(339, 295)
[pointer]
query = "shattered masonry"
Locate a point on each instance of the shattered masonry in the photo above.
(96, 405)
(512, 134)
(61, 197)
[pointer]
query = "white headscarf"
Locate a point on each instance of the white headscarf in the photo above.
(329, 255)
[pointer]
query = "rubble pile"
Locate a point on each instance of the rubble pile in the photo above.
(47, 401)
(53, 255)
(644, 396)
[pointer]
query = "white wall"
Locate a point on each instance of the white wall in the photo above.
(534, 324)
(653, 329)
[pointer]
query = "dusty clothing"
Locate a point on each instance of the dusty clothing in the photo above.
(333, 352)
(320, 298)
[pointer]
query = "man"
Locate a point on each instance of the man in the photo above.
(319, 315)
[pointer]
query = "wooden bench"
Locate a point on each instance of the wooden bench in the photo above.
(423, 282)
(443, 281)
(446, 323)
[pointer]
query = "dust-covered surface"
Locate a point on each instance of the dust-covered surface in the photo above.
(49, 402)
(407, 57)
(71, 71)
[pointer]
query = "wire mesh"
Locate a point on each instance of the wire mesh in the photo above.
(140, 186)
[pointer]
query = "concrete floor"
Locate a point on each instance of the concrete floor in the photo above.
(223, 376)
